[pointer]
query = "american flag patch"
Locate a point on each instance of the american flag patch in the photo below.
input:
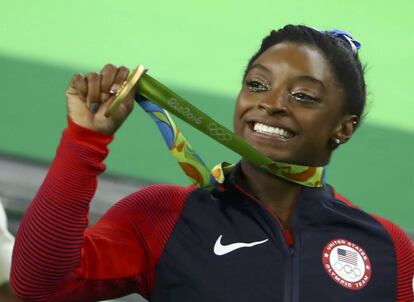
(348, 256)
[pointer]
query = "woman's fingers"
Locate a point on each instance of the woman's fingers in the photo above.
(79, 84)
(108, 73)
(97, 88)
(93, 97)
(120, 77)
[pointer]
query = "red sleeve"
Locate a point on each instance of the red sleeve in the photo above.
(57, 258)
(404, 253)
(132, 234)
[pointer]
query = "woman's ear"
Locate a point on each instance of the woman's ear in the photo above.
(343, 132)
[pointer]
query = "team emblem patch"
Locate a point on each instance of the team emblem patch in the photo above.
(347, 264)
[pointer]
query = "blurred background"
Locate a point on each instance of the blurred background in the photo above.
(199, 49)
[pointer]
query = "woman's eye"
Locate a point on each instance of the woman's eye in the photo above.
(303, 97)
(257, 86)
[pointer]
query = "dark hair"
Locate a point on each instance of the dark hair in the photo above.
(338, 52)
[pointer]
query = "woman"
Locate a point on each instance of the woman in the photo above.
(257, 237)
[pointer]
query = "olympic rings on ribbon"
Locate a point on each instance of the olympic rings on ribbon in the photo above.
(219, 132)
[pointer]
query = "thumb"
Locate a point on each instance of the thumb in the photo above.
(70, 91)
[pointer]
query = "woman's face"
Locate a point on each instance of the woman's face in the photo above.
(290, 106)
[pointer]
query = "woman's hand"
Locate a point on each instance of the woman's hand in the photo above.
(89, 97)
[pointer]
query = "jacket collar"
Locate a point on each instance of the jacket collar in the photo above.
(236, 179)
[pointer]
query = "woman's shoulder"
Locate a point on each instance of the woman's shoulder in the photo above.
(398, 236)
(155, 198)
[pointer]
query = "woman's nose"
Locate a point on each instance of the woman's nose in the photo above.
(275, 103)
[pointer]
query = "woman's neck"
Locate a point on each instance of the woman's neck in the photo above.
(276, 194)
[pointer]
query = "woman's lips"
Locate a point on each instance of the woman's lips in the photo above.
(271, 131)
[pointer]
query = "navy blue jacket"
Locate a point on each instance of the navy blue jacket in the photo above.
(363, 265)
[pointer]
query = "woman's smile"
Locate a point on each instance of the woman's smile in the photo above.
(269, 133)
(278, 132)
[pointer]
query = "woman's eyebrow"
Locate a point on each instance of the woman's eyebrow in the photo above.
(309, 78)
(261, 67)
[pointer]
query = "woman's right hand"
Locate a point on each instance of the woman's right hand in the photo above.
(89, 97)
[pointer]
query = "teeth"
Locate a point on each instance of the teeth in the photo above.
(262, 128)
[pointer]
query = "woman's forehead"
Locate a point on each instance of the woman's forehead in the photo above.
(295, 58)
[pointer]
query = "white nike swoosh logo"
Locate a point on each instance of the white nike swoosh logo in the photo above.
(220, 249)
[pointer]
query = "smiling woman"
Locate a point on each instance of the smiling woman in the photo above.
(256, 236)
(300, 96)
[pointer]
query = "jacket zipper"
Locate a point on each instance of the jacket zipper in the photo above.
(295, 265)
(295, 273)
(291, 286)
(288, 293)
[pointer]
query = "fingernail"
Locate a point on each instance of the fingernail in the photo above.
(114, 89)
(94, 107)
